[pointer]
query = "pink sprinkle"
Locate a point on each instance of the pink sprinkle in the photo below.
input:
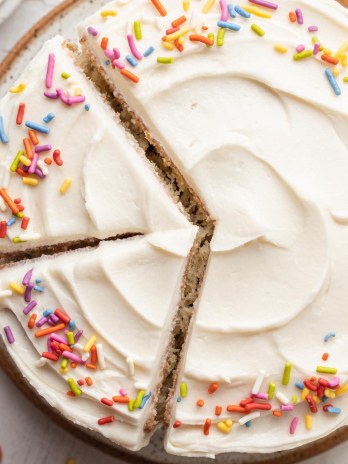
(92, 31)
(34, 161)
(41, 321)
(334, 382)
(224, 10)
(299, 16)
(261, 396)
(286, 407)
(118, 64)
(50, 68)
(9, 334)
(52, 95)
(73, 357)
(133, 48)
(300, 48)
(293, 425)
(117, 53)
(109, 54)
(264, 3)
(61, 94)
(316, 48)
(313, 29)
(123, 392)
(78, 99)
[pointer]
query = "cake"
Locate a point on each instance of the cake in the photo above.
(243, 109)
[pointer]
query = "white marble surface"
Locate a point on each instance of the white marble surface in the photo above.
(26, 435)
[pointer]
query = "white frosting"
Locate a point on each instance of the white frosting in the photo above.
(263, 141)
(113, 190)
(111, 292)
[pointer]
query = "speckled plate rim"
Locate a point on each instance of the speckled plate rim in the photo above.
(95, 439)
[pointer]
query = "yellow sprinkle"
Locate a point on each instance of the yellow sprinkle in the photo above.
(280, 48)
(304, 393)
(208, 6)
(168, 45)
(286, 373)
(131, 405)
(65, 75)
(329, 393)
(336, 72)
(342, 50)
(74, 388)
(24, 160)
(139, 398)
(258, 30)
(77, 92)
(220, 37)
(326, 370)
(181, 40)
(183, 390)
(186, 5)
(30, 181)
(106, 13)
(137, 30)
(308, 421)
(64, 363)
(65, 185)
(327, 51)
(225, 426)
(64, 370)
(344, 388)
(271, 390)
(256, 11)
(19, 88)
(90, 343)
(344, 60)
(17, 240)
(177, 34)
(316, 399)
(17, 288)
(294, 399)
(302, 55)
(211, 37)
(20, 215)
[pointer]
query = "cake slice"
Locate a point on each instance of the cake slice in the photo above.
(90, 330)
(68, 169)
(251, 105)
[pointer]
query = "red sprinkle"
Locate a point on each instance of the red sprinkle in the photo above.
(326, 406)
(206, 427)
(25, 222)
(310, 385)
(246, 401)
(17, 201)
(325, 356)
(170, 31)
(3, 229)
(50, 356)
(94, 355)
(312, 405)
(106, 420)
(320, 391)
(62, 316)
(177, 424)
(107, 402)
(213, 387)
(260, 406)
(20, 114)
(178, 45)
(80, 382)
(57, 158)
(22, 173)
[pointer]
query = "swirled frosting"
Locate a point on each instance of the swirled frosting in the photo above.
(262, 139)
(113, 190)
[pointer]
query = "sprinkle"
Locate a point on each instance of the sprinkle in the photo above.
(326, 370)
(160, 8)
(16, 161)
(177, 424)
(218, 410)
(258, 382)
(271, 390)
(227, 25)
(62, 316)
(280, 48)
(313, 28)
(258, 30)
(242, 12)
(123, 392)
(48, 118)
(256, 11)
(138, 399)
(133, 47)
(91, 30)
(265, 3)
(261, 396)
(100, 354)
(20, 114)
(300, 48)
(29, 307)
(231, 10)
(308, 421)
(316, 48)
(121, 399)
(330, 59)
(30, 181)
(206, 426)
(131, 405)
(302, 55)
(90, 343)
(329, 393)
(260, 406)
(137, 30)
(277, 413)
(9, 334)
(177, 34)
(37, 127)
(293, 425)
(292, 16)
(224, 10)
(132, 77)
(17, 288)
(201, 38)
(19, 88)
(3, 136)
(294, 399)
(299, 384)
(131, 60)
(282, 398)
(104, 43)
(50, 68)
(42, 148)
(249, 417)
(208, 5)
(177, 22)
(148, 51)
(57, 158)
(168, 45)
(49, 330)
(328, 336)
(225, 426)
(220, 37)
(11, 221)
(211, 37)
(65, 185)
(104, 14)
(3, 230)
(304, 393)
(87, 106)
(33, 137)
(212, 388)
(299, 15)
(287, 407)
(89, 381)
(165, 59)
(183, 390)
(200, 403)
(107, 402)
(286, 374)
(313, 407)
(342, 390)
(106, 420)
(51, 356)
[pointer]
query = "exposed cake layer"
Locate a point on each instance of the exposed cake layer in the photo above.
(259, 131)
(113, 189)
(111, 293)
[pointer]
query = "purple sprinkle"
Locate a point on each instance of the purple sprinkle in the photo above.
(265, 3)
(313, 29)
(41, 148)
(52, 95)
(316, 48)
(39, 173)
(34, 161)
(300, 48)
(41, 321)
(29, 307)
(27, 277)
(78, 335)
(92, 31)
(9, 334)
(27, 294)
(299, 16)
(54, 318)
(50, 322)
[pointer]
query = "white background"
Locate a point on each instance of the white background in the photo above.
(26, 435)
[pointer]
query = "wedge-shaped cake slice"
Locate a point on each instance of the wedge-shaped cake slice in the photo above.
(258, 129)
(90, 330)
(68, 169)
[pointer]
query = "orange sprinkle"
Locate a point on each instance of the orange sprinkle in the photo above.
(91, 366)
(277, 413)
(64, 347)
(32, 320)
(218, 410)
(10, 203)
(213, 387)
(33, 137)
(236, 408)
(330, 59)
(201, 38)
(177, 22)
(132, 77)
(292, 17)
(206, 427)
(73, 365)
(205, 28)
(170, 31)
(48, 161)
(325, 356)
(80, 382)
(121, 399)
(89, 381)
(104, 43)
(28, 148)
(159, 7)
(200, 403)
(313, 379)
(49, 330)
(94, 355)
(178, 45)
(177, 424)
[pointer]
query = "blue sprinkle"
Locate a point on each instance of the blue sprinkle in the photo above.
(178, 399)
(231, 10)
(148, 51)
(11, 221)
(87, 106)
(37, 127)
(299, 384)
(107, 62)
(37, 288)
(3, 136)
(227, 25)
(72, 325)
(334, 410)
(48, 118)
(38, 281)
(248, 424)
(145, 400)
(328, 336)
(131, 60)
(333, 82)
(47, 312)
(242, 12)
(324, 399)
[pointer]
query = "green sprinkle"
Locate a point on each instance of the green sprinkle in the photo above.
(131, 405)
(138, 399)
(271, 390)
(65, 75)
(137, 30)
(74, 388)
(326, 370)
(220, 37)
(165, 60)
(286, 374)
(183, 390)
(15, 162)
(71, 338)
(302, 55)
(211, 37)
(64, 363)
(258, 30)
